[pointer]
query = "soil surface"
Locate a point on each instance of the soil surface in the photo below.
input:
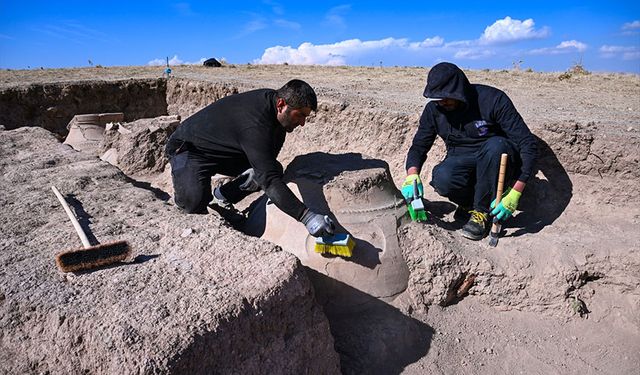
(575, 239)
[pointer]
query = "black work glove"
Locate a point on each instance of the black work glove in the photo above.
(317, 225)
(250, 183)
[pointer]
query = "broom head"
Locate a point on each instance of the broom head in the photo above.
(93, 257)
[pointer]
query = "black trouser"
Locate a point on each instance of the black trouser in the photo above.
(469, 177)
(191, 174)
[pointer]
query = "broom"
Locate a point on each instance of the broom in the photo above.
(88, 257)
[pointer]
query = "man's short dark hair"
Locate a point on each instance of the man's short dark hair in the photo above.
(298, 94)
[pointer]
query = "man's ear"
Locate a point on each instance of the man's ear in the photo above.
(280, 104)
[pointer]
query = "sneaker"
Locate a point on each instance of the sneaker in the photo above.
(476, 228)
(223, 203)
(220, 202)
(228, 211)
(461, 213)
(231, 215)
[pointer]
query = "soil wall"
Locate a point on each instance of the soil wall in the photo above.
(53, 105)
(586, 148)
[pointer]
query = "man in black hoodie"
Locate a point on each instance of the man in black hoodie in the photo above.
(241, 135)
(477, 123)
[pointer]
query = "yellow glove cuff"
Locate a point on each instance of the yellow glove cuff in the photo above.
(409, 180)
(510, 201)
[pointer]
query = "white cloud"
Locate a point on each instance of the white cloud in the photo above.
(353, 51)
(473, 54)
(287, 24)
(571, 45)
(567, 46)
(631, 28)
(500, 33)
(509, 30)
(427, 43)
(461, 44)
(625, 52)
(339, 53)
(175, 60)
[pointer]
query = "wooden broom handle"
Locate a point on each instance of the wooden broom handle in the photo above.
(503, 171)
(72, 217)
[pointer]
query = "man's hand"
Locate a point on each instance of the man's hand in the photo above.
(507, 205)
(317, 225)
(407, 187)
(250, 183)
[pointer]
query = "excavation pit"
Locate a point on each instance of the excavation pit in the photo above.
(527, 281)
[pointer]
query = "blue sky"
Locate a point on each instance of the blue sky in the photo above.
(541, 35)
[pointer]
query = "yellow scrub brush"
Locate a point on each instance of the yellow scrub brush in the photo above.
(340, 244)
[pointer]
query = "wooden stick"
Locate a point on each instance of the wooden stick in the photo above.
(503, 172)
(495, 228)
(72, 217)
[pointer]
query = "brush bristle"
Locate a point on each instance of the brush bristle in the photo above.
(419, 215)
(339, 244)
(93, 257)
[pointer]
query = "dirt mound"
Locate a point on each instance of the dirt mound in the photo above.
(185, 303)
(137, 147)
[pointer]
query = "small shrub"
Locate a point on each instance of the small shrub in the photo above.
(578, 68)
(565, 75)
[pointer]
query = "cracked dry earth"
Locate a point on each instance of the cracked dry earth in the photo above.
(201, 297)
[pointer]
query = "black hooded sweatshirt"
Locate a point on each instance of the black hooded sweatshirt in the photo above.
(485, 112)
(237, 131)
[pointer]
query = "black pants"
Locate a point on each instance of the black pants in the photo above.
(191, 175)
(469, 177)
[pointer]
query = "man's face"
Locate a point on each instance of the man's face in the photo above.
(448, 104)
(291, 118)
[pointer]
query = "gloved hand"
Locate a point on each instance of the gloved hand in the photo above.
(317, 225)
(507, 205)
(250, 183)
(407, 187)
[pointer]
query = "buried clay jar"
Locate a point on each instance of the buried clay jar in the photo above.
(365, 203)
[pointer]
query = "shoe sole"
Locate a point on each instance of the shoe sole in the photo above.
(471, 236)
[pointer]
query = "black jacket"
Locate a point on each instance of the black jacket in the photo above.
(241, 130)
(486, 112)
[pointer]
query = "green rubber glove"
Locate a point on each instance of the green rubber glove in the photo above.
(507, 205)
(407, 187)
